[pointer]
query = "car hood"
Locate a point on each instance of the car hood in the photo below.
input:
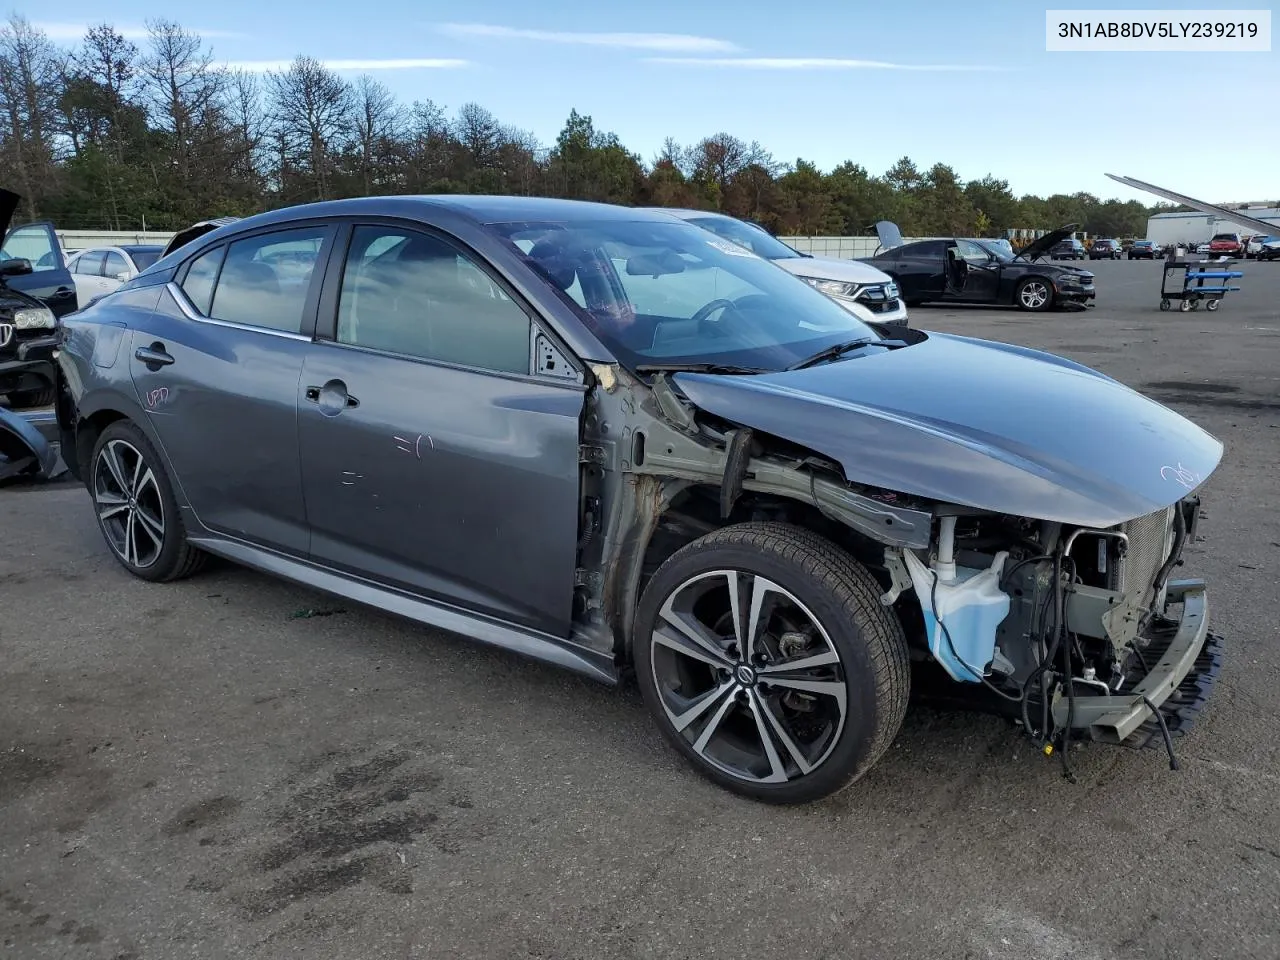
(8, 207)
(832, 268)
(1042, 245)
(982, 424)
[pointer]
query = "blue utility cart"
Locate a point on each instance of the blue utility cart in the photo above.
(1189, 283)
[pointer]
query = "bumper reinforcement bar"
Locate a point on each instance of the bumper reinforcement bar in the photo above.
(1184, 665)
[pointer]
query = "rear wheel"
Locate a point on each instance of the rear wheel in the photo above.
(1034, 294)
(136, 509)
(767, 660)
(1211, 305)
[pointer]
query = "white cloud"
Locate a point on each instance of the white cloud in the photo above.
(76, 31)
(262, 66)
(671, 42)
(812, 63)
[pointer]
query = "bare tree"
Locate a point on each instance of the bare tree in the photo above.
(378, 124)
(29, 86)
(182, 87)
(241, 103)
(98, 84)
(310, 109)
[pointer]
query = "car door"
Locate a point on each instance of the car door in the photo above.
(982, 278)
(86, 272)
(49, 279)
(921, 270)
(435, 458)
(217, 366)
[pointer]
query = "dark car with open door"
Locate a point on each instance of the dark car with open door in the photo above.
(35, 290)
(957, 270)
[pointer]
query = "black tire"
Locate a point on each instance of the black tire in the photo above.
(27, 399)
(843, 600)
(175, 557)
(1023, 298)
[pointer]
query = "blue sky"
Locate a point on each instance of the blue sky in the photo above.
(1207, 124)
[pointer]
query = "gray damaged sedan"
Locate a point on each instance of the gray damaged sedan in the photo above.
(617, 443)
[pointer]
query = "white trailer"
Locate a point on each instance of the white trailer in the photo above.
(1195, 227)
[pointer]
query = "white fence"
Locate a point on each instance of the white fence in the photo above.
(844, 248)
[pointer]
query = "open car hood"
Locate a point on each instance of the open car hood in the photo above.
(1042, 245)
(982, 424)
(23, 450)
(195, 232)
(889, 234)
(8, 207)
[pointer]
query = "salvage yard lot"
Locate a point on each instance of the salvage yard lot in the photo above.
(232, 766)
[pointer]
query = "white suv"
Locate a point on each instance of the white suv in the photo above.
(866, 292)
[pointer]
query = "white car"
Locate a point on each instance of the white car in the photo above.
(866, 292)
(100, 270)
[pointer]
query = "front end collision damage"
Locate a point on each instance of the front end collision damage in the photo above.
(24, 452)
(649, 454)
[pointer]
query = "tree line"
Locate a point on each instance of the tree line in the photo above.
(109, 134)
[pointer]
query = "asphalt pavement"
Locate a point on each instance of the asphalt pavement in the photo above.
(235, 767)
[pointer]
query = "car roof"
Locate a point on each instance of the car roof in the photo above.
(141, 247)
(481, 210)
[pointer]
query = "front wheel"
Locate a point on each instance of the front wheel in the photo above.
(1211, 305)
(766, 658)
(136, 508)
(1034, 294)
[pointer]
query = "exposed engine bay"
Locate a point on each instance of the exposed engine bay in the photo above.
(1051, 618)
(1072, 631)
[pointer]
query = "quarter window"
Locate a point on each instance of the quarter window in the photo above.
(264, 281)
(198, 285)
(408, 293)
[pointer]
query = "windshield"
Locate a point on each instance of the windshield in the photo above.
(745, 235)
(669, 293)
(996, 249)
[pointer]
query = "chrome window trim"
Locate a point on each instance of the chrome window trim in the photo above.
(191, 313)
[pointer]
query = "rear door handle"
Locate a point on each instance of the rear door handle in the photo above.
(154, 355)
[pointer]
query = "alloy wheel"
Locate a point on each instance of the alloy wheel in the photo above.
(1034, 295)
(129, 504)
(748, 676)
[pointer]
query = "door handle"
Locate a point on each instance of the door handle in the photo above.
(154, 355)
(332, 397)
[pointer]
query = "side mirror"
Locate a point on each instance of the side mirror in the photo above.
(122, 276)
(16, 267)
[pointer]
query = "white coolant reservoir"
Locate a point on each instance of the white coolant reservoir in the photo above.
(971, 604)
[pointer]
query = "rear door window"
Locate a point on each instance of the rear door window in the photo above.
(90, 264)
(116, 265)
(265, 280)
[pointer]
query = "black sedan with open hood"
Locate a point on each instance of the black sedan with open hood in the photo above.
(959, 270)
